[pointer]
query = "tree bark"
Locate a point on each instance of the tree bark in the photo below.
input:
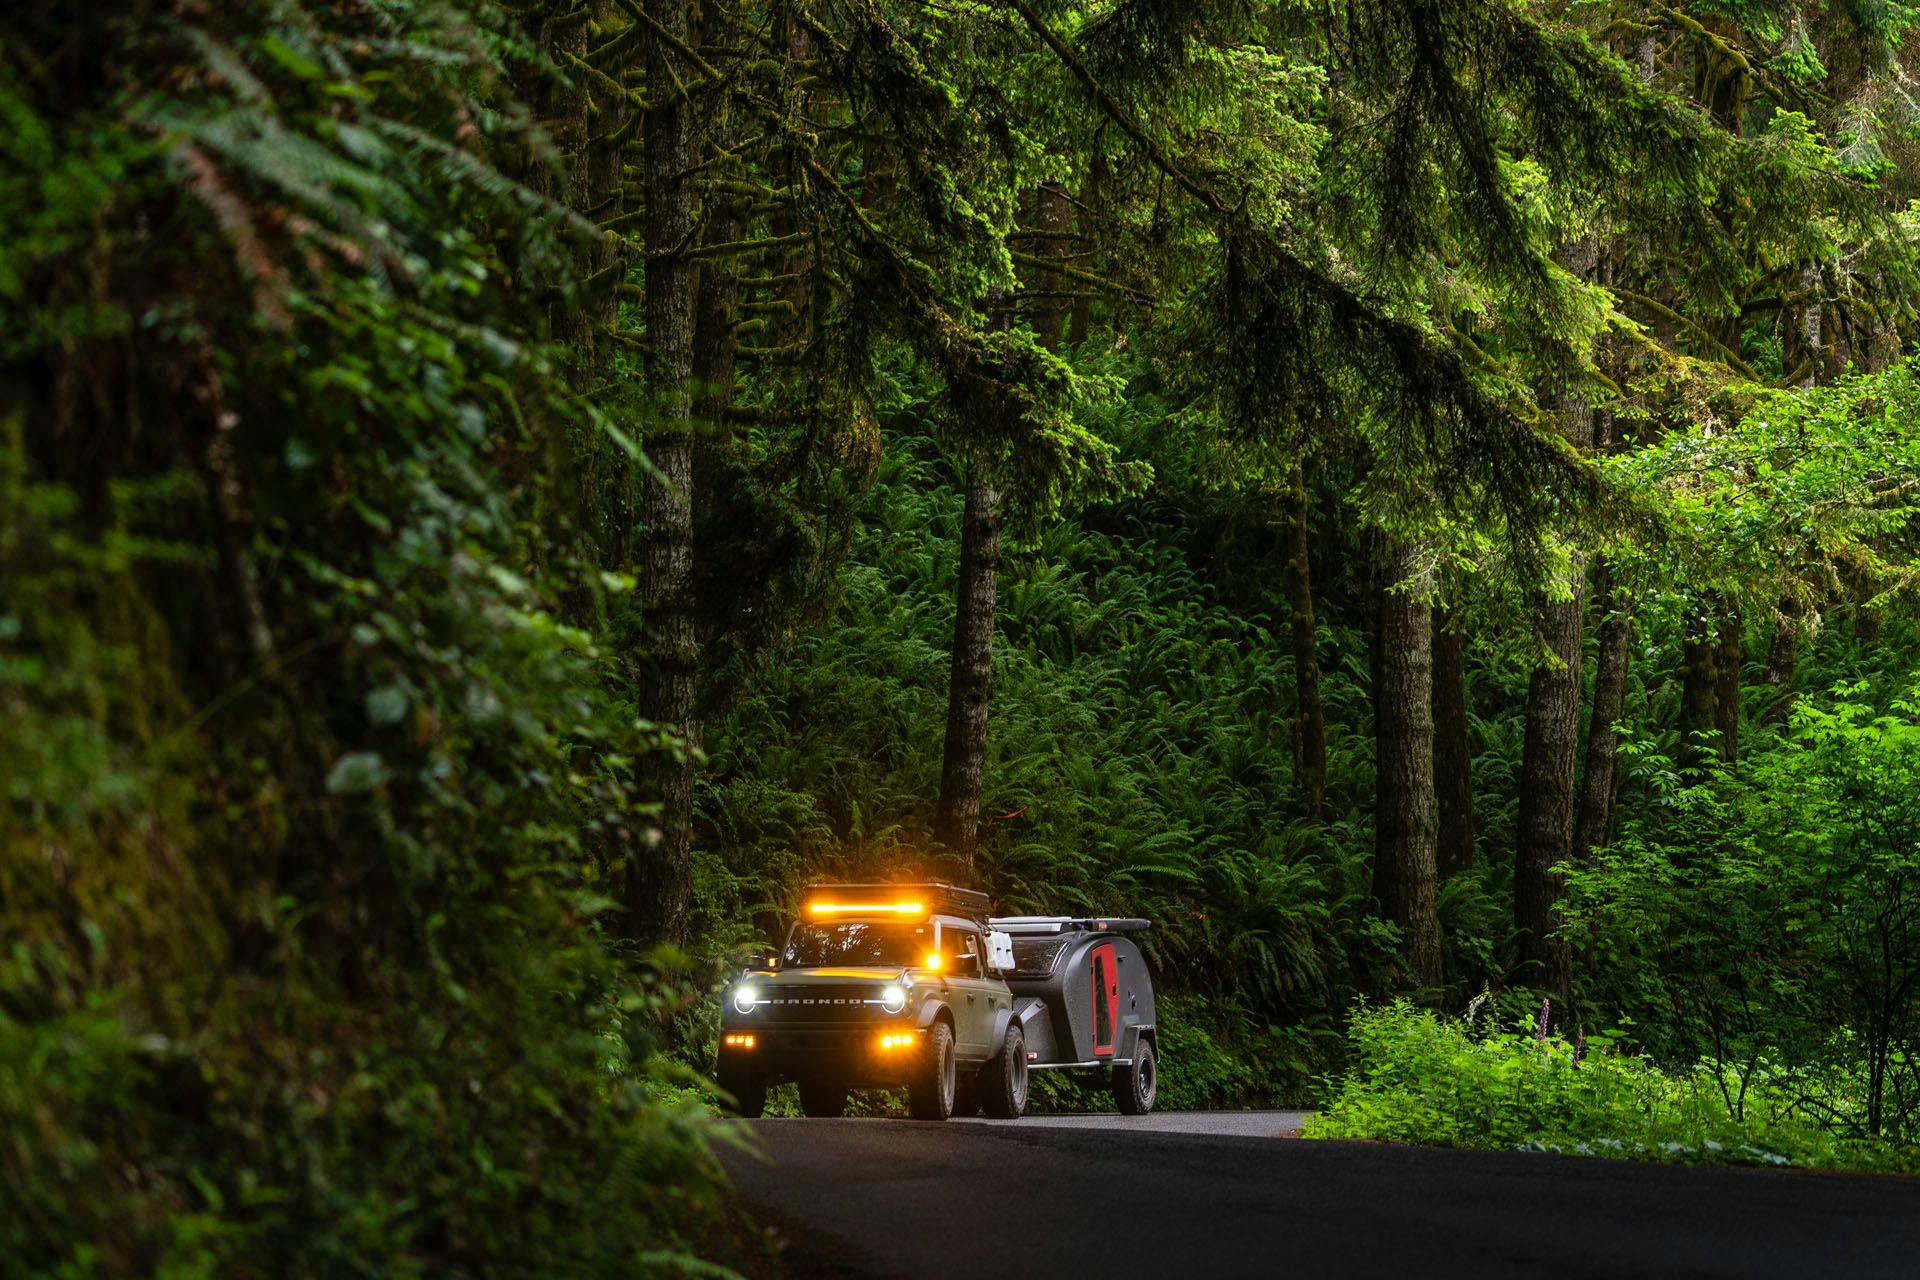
(1727, 670)
(1452, 753)
(1550, 753)
(1783, 654)
(1545, 825)
(659, 872)
(1406, 821)
(1593, 823)
(962, 769)
(1082, 318)
(1310, 723)
(1699, 688)
(1053, 213)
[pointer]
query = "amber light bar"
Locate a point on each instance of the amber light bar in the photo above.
(906, 908)
(895, 1041)
(737, 1040)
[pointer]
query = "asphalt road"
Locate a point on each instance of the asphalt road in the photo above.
(1065, 1197)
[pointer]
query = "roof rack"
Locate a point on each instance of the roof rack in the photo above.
(1070, 924)
(936, 896)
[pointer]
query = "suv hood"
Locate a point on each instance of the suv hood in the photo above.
(835, 976)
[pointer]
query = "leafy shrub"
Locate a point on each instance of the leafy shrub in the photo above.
(1416, 1077)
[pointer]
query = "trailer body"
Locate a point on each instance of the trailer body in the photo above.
(1084, 995)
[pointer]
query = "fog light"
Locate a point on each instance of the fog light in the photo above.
(737, 1040)
(895, 1041)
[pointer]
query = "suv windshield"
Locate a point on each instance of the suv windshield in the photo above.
(852, 942)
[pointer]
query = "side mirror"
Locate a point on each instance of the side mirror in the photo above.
(762, 960)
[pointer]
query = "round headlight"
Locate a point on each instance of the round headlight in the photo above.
(745, 997)
(893, 999)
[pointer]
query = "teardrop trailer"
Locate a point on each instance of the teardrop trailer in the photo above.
(881, 986)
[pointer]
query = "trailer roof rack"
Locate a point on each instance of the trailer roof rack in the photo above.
(1070, 924)
(896, 899)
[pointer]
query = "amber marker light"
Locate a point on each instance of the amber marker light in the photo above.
(895, 1041)
(906, 909)
(737, 1040)
(933, 961)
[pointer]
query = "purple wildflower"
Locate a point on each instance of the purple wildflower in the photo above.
(1579, 1046)
(1540, 1027)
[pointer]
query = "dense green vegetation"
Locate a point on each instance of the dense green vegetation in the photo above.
(1416, 1077)
(1417, 499)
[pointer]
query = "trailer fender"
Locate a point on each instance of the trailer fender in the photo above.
(1025, 1012)
(1036, 1028)
(1131, 1033)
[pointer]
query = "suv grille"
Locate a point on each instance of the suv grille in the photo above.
(820, 1003)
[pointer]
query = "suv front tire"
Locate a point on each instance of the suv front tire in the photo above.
(930, 1092)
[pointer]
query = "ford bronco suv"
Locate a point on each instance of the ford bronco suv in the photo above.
(879, 986)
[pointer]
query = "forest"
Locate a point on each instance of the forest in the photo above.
(1417, 498)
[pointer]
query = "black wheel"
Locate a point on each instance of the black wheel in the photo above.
(966, 1094)
(747, 1093)
(930, 1092)
(823, 1098)
(1134, 1086)
(1003, 1082)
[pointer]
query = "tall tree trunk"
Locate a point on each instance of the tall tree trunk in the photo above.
(659, 877)
(1593, 824)
(1550, 754)
(1783, 654)
(1727, 670)
(1310, 726)
(957, 822)
(1082, 318)
(1053, 214)
(1452, 753)
(1405, 817)
(1545, 825)
(1699, 688)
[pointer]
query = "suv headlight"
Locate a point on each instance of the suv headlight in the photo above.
(745, 997)
(893, 998)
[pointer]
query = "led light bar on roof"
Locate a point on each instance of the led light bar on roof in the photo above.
(885, 900)
(905, 909)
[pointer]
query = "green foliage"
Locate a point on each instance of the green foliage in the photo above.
(1415, 1076)
(1765, 921)
(304, 771)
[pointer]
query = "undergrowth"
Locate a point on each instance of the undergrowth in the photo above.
(1417, 1077)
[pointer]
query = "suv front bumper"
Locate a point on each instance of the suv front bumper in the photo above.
(875, 1055)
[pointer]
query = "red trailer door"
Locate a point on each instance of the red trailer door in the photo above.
(1106, 999)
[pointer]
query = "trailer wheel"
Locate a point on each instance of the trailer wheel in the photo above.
(1003, 1082)
(823, 1098)
(749, 1092)
(930, 1092)
(1134, 1086)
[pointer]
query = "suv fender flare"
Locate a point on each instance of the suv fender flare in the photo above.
(1024, 1010)
(930, 1011)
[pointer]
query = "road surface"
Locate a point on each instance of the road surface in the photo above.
(1093, 1196)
